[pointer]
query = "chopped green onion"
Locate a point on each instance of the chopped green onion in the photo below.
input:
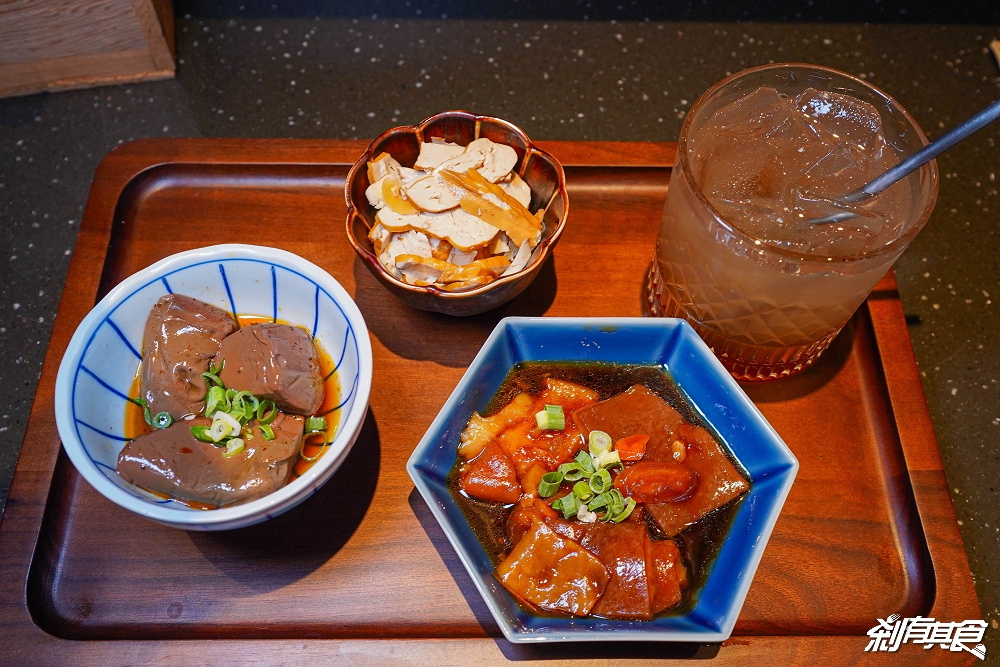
(216, 400)
(233, 447)
(201, 433)
(600, 481)
(582, 491)
(624, 514)
(600, 501)
(266, 431)
(220, 428)
(586, 462)
(302, 450)
(608, 459)
(162, 420)
(263, 416)
(599, 442)
(233, 422)
(315, 424)
(244, 406)
(212, 376)
(572, 472)
(551, 418)
(568, 505)
(145, 409)
(550, 484)
(616, 507)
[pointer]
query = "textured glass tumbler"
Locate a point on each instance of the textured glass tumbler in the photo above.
(767, 311)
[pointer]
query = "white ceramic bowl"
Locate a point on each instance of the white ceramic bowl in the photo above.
(100, 363)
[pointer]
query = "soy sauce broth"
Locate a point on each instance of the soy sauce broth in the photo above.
(699, 543)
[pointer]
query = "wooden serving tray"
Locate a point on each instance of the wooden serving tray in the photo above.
(361, 573)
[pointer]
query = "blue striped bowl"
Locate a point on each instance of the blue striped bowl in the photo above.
(100, 363)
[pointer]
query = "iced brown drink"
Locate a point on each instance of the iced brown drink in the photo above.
(759, 155)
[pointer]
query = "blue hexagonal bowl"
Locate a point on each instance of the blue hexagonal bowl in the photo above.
(675, 346)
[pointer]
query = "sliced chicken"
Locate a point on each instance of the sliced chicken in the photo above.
(516, 188)
(520, 259)
(458, 219)
(461, 257)
(382, 166)
(378, 236)
(418, 270)
(492, 266)
(499, 245)
(459, 228)
(434, 194)
(498, 162)
(433, 154)
(473, 157)
(405, 243)
(463, 285)
(374, 194)
(407, 175)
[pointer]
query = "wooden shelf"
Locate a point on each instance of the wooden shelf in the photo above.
(52, 45)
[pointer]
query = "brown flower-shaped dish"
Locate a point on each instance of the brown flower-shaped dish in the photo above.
(542, 172)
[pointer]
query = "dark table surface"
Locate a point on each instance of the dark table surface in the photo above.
(561, 70)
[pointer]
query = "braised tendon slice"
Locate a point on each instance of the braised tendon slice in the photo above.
(667, 576)
(172, 462)
(719, 480)
(278, 362)
(553, 572)
(491, 476)
(639, 410)
(182, 335)
(622, 548)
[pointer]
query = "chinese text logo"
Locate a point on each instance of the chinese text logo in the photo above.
(893, 631)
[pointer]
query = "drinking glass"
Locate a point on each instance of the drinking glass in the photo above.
(768, 310)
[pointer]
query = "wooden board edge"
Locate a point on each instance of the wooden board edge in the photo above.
(151, 19)
(823, 651)
(346, 152)
(72, 72)
(955, 598)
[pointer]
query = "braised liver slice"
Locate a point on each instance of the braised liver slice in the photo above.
(172, 462)
(274, 361)
(639, 410)
(182, 335)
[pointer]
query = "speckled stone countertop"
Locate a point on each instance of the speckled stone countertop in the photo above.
(565, 70)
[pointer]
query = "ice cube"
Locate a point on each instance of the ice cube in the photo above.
(841, 171)
(763, 113)
(841, 118)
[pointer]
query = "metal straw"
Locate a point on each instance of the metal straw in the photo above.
(915, 161)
